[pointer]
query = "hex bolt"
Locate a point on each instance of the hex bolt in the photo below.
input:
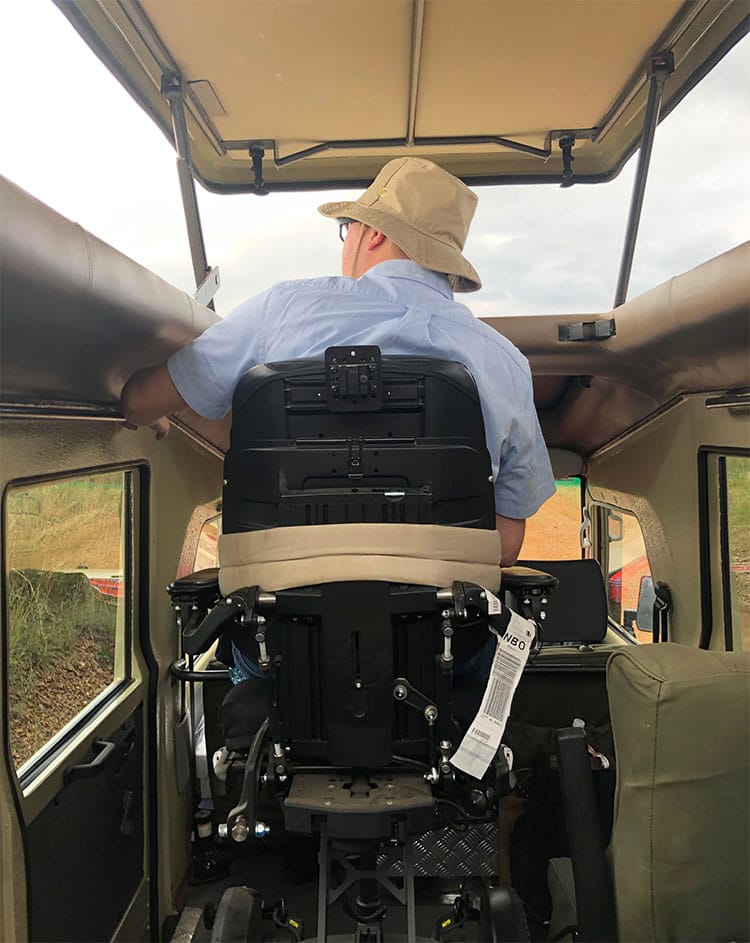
(240, 831)
(262, 830)
(430, 714)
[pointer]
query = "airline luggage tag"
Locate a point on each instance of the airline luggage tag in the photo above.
(482, 739)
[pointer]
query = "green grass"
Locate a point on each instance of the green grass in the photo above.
(55, 619)
(738, 504)
(66, 524)
(61, 630)
(48, 613)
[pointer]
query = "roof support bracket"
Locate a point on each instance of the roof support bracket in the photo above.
(173, 89)
(566, 144)
(662, 66)
(257, 152)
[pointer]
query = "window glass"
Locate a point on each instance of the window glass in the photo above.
(66, 593)
(738, 528)
(553, 532)
(630, 595)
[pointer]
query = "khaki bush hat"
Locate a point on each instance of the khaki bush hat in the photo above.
(423, 209)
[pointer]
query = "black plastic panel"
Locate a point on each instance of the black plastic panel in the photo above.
(420, 458)
(85, 849)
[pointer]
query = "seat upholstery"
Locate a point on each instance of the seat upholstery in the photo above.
(681, 840)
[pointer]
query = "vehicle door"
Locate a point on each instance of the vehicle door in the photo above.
(75, 853)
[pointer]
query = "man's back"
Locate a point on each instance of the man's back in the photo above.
(404, 309)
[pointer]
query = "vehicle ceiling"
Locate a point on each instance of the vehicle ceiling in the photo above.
(352, 84)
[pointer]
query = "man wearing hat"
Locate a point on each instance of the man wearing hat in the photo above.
(401, 262)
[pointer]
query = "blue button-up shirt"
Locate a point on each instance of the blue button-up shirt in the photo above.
(404, 309)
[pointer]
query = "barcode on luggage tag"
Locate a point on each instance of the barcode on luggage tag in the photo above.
(478, 747)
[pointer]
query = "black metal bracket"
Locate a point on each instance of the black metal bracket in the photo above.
(240, 605)
(241, 821)
(566, 144)
(354, 380)
(406, 693)
(662, 609)
(257, 153)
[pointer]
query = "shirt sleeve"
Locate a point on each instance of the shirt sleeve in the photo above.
(524, 480)
(206, 371)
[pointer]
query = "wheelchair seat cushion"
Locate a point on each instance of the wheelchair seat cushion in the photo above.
(424, 554)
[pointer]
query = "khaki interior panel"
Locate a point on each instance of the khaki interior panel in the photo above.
(453, 80)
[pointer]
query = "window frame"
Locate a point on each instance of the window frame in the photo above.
(47, 756)
(715, 575)
(599, 512)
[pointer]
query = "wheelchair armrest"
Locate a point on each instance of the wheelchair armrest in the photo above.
(198, 581)
(529, 588)
(192, 597)
(524, 579)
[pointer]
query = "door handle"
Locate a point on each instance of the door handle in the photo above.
(103, 750)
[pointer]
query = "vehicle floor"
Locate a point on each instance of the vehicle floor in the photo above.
(284, 867)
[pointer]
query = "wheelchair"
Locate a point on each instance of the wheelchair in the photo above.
(359, 567)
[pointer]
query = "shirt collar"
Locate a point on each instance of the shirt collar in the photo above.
(405, 268)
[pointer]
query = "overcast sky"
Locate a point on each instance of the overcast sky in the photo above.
(76, 140)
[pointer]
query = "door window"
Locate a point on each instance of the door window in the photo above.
(630, 587)
(736, 475)
(66, 591)
(553, 533)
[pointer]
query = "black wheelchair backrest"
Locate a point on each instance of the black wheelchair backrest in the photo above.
(356, 439)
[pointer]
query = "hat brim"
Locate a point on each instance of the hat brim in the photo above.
(423, 248)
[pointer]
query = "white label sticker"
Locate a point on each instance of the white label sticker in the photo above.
(482, 739)
(494, 606)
